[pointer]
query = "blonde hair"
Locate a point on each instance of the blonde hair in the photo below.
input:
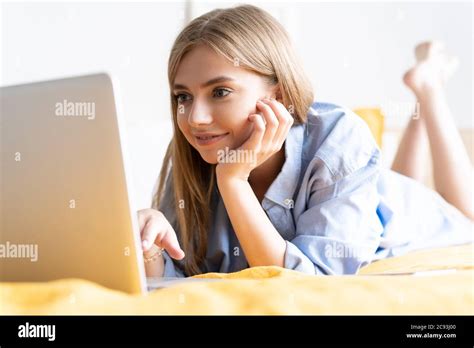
(250, 36)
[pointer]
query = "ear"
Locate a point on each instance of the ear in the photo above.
(277, 93)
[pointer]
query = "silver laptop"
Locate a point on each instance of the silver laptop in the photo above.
(66, 209)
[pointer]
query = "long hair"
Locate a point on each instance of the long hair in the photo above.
(250, 36)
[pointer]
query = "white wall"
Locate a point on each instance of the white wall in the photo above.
(355, 54)
(130, 40)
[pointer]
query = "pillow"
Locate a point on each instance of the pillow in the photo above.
(375, 120)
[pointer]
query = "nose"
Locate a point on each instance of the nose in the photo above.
(199, 114)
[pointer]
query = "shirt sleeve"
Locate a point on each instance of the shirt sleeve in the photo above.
(340, 230)
(171, 270)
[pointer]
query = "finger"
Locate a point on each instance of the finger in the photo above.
(284, 118)
(254, 141)
(170, 243)
(271, 122)
(143, 216)
(149, 233)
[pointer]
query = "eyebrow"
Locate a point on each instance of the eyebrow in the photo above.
(213, 81)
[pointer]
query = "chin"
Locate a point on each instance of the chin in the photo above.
(210, 158)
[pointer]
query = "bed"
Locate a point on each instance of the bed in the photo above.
(447, 289)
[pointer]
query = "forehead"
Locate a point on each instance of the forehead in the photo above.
(202, 64)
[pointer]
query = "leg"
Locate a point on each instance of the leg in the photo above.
(451, 165)
(412, 153)
(452, 169)
(413, 150)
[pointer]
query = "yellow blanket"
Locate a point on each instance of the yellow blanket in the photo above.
(272, 290)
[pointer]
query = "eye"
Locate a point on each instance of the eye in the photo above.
(181, 98)
(221, 92)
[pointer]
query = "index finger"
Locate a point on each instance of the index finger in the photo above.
(169, 242)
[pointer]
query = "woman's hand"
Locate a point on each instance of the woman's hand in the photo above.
(155, 228)
(269, 134)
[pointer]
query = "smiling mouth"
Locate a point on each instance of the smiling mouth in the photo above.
(209, 139)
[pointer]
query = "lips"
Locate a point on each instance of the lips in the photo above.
(208, 138)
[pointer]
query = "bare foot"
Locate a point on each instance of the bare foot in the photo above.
(432, 69)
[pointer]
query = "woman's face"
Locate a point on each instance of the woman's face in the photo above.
(215, 98)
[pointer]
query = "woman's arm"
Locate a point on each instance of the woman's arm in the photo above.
(262, 244)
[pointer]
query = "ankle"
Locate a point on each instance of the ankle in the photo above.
(428, 90)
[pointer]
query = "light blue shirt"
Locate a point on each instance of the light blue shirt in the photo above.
(334, 204)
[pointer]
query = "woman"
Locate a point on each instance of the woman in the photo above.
(308, 192)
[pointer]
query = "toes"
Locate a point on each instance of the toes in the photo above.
(428, 49)
(421, 51)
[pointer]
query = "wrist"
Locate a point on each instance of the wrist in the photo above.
(226, 179)
(153, 254)
(222, 175)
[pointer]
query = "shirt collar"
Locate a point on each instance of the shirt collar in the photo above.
(282, 189)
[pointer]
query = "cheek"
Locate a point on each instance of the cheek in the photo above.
(232, 117)
(184, 126)
(242, 133)
(237, 122)
(181, 123)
